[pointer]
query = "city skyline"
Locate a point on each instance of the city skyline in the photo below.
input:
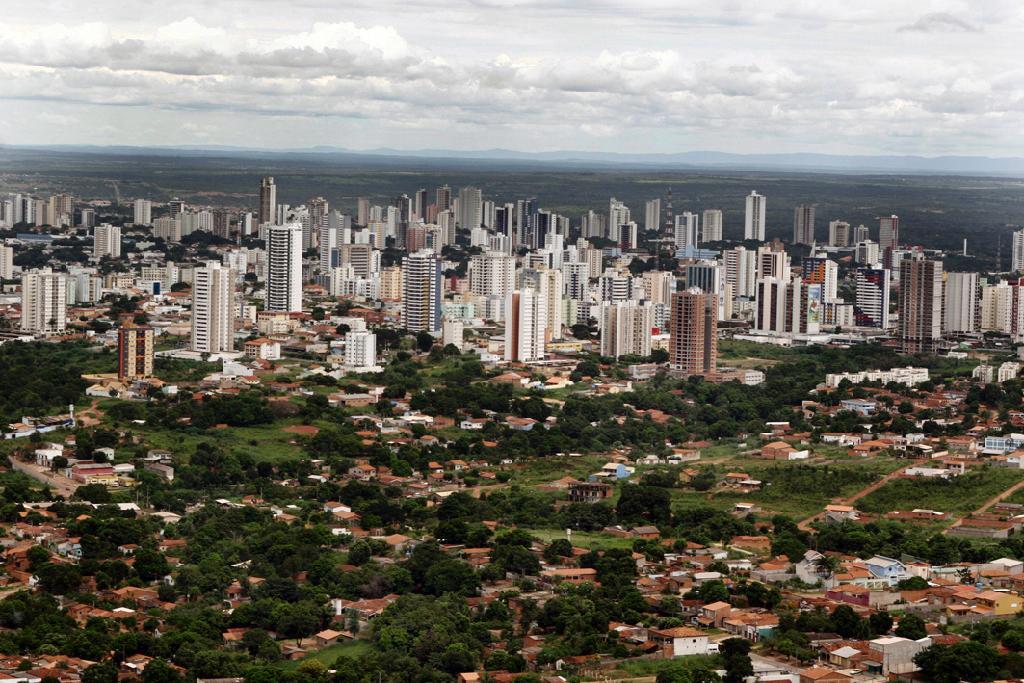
(906, 78)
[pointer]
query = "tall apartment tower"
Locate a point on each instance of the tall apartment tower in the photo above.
(686, 230)
(143, 214)
(652, 215)
(753, 221)
(213, 302)
(134, 352)
(6, 262)
(920, 304)
(1017, 254)
(693, 338)
(421, 291)
(960, 313)
(626, 328)
(492, 274)
(106, 241)
(713, 229)
(284, 268)
(470, 208)
(443, 198)
(888, 232)
(268, 201)
(44, 301)
(803, 224)
(525, 322)
(871, 305)
(839, 234)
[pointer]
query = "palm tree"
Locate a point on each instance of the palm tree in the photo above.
(826, 565)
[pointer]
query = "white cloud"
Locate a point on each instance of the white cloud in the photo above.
(740, 75)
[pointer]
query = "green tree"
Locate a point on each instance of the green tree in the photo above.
(911, 626)
(104, 672)
(735, 653)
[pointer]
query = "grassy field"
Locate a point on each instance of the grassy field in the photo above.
(794, 489)
(960, 495)
(583, 539)
(268, 443)
(546, 470)
(349, 648)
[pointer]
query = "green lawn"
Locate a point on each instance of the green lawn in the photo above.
(583, 539)
(268, 443)
(348, 648)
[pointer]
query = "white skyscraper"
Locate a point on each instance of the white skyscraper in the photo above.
(753, 222)
(712, 226)
(740, 270)
(106, 241)
(871, 307)
(1017, 254)
(961, 303)
(492, 273)
(213, 295)
(525, 319)
(360, 349)
(618, 215)
(44, 301)
(652, 214)
(6, 262)
(284, 268)
(686, 230)
(421, 291)
(143, 212)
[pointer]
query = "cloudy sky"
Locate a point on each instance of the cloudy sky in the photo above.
(863, 77)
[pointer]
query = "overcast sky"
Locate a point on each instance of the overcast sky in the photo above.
(863, 77)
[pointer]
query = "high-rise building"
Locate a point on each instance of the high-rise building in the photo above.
(421, 291)
(817, 270)
(920, 308)
(143, 214)
(740, 270)
(839, 234)
(6, 262)
(525, 321)
(362, 210)
(134, 352)
(213, 301)
(443, 198)
(492, 274)
(268, 201)
(106, 241)
(713, 226)
(961, 303)
(470, 208)
(222, 223)
(551, 288)
(284, 268)
(686, 230)
(618, 215)
(803, 224)
(693, 338)
(871, 307)
(44, 301)
(867, 252)
(652, 214)
(754, 217)
(87, 217)
(626, 328)
(333, 231)
(360, 349)
(1017, 253)
(787, 306)
(772, 261)
(888, 232)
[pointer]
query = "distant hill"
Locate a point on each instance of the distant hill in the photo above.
(835, 163)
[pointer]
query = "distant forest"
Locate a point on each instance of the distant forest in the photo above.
(935, 211)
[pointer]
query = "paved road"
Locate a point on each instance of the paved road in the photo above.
(60, 484)
(805, 525)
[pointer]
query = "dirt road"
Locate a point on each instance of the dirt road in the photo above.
(805, 525)
(60, 484)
